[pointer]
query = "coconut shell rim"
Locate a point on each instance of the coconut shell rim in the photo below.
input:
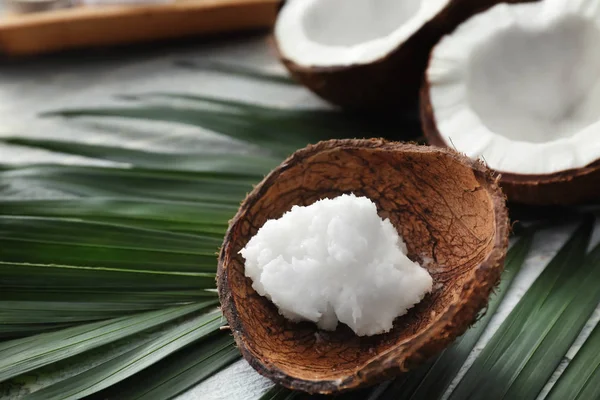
(434, 137)
(321, 69)
(456, 319)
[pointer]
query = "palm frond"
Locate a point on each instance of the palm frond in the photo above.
(56, 312)
(130, 183)
(68, 278)
(46, 240)
(255, 167)
(133, 361)
(108, 288)
(279, 130)
(23, 355)
(580, 379)
(519, 359)
(178, 372)
(271, 134)
(199, 218)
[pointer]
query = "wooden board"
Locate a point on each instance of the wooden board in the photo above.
(88, 26)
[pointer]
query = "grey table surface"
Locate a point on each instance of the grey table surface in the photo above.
(33, 86)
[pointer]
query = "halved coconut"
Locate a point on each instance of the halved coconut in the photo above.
(367, 54)
(453, 219)
(519, 86)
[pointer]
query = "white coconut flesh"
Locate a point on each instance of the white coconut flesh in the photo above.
(519, 86)
(326, 33)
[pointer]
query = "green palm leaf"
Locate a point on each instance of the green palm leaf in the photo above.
(23, 355)
(130, 183)
(279, 130)
(271, 134)
(107, 275)
(177, 373)
(56, 312)
(40, 240)
(520, 358)
(199, 218)
(580, 379)
(133, 361)
(254, 167)
(71, 278)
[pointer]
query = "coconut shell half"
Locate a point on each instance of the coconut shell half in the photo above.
(449, 211)
(574, 186)
(393, 80)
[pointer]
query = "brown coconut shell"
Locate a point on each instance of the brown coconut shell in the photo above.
(449, 211)
(574, 186)
(393, 80)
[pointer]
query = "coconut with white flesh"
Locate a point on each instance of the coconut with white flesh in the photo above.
(365, 53)
(518, 86)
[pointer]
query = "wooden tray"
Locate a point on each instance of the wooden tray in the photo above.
(87, 26)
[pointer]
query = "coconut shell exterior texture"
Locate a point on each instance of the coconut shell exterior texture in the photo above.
(569, 187)
(449, 211)
(394, 80)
